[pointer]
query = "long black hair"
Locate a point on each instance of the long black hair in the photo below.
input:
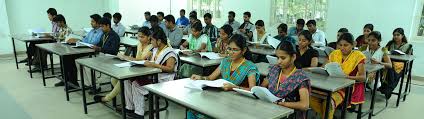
(348, 37)
(159, 34)
(308, 36)
(240, 41)
(400, 31)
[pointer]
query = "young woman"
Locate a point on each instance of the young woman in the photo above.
(284, 80)
(225, 33)
(307, 56)
(362, 39)
(64, 30)
(197, 41)
(260, 35)
(164, 58)
(353, 65)
(237, 69)
(143, 53)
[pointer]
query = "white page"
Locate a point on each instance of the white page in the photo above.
(244, 92)
(84, 44)
(72, 36)
(271, 59)
(199, 84)
(210, 55)
(318, 70)
(125, 64)
(334, 69)
(264, 94)
(138, 62)
(273, 42)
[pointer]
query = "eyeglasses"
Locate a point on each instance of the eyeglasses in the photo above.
(233, 49)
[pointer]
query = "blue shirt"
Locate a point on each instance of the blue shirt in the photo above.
(182, 21)
(93, 37)
(162, 25)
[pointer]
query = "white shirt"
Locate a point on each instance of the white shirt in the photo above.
(260, 40)
(319, 38)
(119, 29)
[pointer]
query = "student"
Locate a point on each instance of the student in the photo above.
(173, 33)
(94, 36)
(398, 42)
(259, 34)
(110, 40)
(143, 53)
(236, 69)
(154, 21)
(64, 30)
(353, 65)
(182, 21)
(221, 45)
(107, 15)
(362, 39)
(308, 56)
(210, 29)
(233, 23)
(294, 31)
(117, 26)
(161, 23)
(339, 33)
(197, 41)
(147, 18)
(375, 50)
(282, 34)
(247, 27)
(163, 58)
(285, 81)
(193, 20)
(317, 35)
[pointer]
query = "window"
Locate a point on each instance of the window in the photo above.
(207, 6)
(288, 11)
(421, 24)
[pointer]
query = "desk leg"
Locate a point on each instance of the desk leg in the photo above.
(327, 105)
(51, 63)
(14, 53)
(409, 76)
(157, 99)
(408, 81)
(401, 84)
(124, 114)
(374, 91)
(65, 80)
(134, 52)
(346, 101)
(84, 100)
(29, 60)
(62, 70)
(151, 112)
(93, 81)
(41, 68)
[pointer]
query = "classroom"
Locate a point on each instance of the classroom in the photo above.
(211, 59)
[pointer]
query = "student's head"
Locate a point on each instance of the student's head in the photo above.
(246, 16)
(231, 15)
(399, 36)
(225, 32)
(193, 13)
(260, 26)
(143, 35)
(305, 39)
(169, 21)
(345, 43)
(158, 37)
(207, 18)
(160, 15)
(367, 29)
(300, 23)
(182, 12)
(95, 18)
(282, 29)
(105, 24)
(374, 39)
(312, 25)
(193, 18)
(60, 20)
(117, 17)
(107, 15)
(196, 29)
(154, 21)
(341, 31)
(237, 47)
(51, 13)
(147, 15)
(286, 54)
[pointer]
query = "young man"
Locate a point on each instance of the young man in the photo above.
(210, 29)
(154, 21)
(147, 18)
(107, 15)
(161, 22)
(187, 29)
(234, 24)
(182, 21)
(282, 34)
(317, 35)
(294, 31)
(117, 26)
(109, 43)
(247, 28)
(173, 33)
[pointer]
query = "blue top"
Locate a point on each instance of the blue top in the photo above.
(182, 21)
(93, 37)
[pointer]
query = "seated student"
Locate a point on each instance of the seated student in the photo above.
(147, 18)
(260, 35)
(117, 26)
(375, 50)
(308, 56)
(173, 33)
(94, 36)
(247, 27)
(231, 21)
(294, 31)
(110, 40)
(353, 65)
(64, 30)
(236, 69)
(362, 39)
(221, 45)
(317, 35)
(197, 41)
(210, 29)
(107, 15)
(339, 33)
(399, 42)
(182, 21)
(161, 16)
(143, 53)
(193, 20)
(284, 80)
(164, 58)
(282, 34)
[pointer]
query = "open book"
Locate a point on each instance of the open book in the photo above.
(332, 69)
(202, 84)
(82, 44)
(271, 59)
(377, 56)
(259, 93)
(210, 55)
(273, 42)
(129, 64)
(397, 52)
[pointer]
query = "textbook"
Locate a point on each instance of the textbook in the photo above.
(129, 64)
(332, 69)
(273, 42)
(271, 59)
(259, 93)
(397, 52)
(82, 44)
(203, 84)
(378, 56)
(210, 55)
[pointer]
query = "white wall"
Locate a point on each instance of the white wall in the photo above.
(4, 29)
